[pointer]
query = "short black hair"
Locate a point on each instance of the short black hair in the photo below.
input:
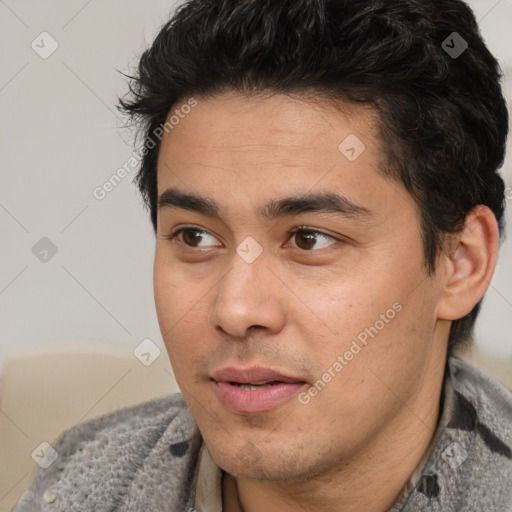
(440, 107)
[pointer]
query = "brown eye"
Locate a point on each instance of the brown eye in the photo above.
(307, 238)
(191, 237)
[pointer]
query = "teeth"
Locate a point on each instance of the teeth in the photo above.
(254, 385)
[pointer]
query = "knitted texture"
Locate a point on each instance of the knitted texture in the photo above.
(470, 466)
(135, 459)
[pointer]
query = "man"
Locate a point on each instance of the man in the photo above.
(322, 181)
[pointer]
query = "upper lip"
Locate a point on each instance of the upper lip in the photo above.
(251, 375)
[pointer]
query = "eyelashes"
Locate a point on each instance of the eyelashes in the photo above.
(311, 232)
(306, 232)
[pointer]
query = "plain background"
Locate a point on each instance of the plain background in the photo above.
(61, 136)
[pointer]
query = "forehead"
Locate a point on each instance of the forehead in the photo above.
(266, 145)
(275, 123)
(256, 128)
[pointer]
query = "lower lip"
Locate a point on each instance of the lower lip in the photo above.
(256, 400)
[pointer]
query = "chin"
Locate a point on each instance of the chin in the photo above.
(254, 464)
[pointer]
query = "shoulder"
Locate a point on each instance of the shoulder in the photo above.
(484, 402)
(100, 460)
(470, 464)
(135, 419)
(133, 428)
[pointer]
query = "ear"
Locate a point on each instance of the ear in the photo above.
(469, 261)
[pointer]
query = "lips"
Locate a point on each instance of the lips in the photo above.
(254, 390)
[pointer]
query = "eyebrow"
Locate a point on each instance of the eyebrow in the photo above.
(273, 209)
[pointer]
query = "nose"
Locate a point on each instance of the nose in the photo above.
(250, 295)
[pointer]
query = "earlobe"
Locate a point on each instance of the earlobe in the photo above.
(469, 264)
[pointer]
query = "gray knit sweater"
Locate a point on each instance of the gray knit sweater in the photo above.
(145, 458)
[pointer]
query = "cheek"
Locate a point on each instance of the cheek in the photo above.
(174, 293)
(343, 306)
(170, 302)
(165, 293)
(182, 312)
(371, 313)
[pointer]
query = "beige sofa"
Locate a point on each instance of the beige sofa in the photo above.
(48, 390)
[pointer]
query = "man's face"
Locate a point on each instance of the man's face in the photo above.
(344, 305)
